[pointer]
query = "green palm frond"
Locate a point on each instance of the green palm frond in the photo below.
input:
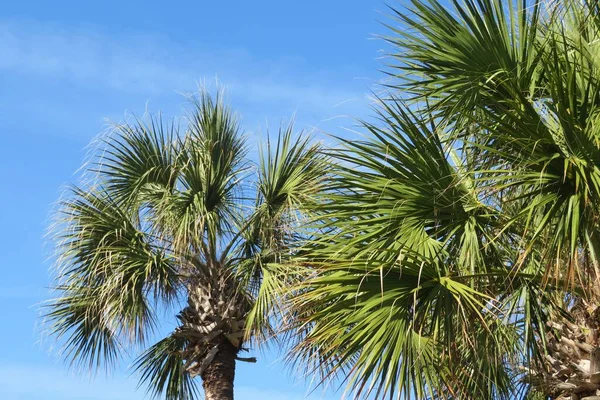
(90, 339)
(472, 201)
(162, 369)
(476, 54)
(403, 236)
(212, 166)
(111, 273)
(136, 156)
(291, 174)
(517, 83)
(387, 328)
(169, 217)
(401, 190)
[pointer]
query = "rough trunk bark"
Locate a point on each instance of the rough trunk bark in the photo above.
(219, 374)
(571, 368)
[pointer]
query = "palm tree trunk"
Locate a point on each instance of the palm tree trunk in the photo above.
(219, 374)
(571, 368)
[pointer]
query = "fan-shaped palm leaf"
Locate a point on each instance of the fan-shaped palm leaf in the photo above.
(167, 217)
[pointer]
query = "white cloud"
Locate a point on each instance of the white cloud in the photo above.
(246, 393)
(28, 382)
(20, 381)
(149, 64)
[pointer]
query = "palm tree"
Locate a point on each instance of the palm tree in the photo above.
(458, 254)
(168, 216)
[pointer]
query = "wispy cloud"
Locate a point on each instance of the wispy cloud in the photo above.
(24, 382)
(149, 64)
(31, 382)
(247, 393)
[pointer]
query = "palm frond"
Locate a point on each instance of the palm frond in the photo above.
(136, 156)
(212, 167)
(168, 216)
(162, 368)
(476, 55)
(291, 174)
(111, 272)
(403, 237)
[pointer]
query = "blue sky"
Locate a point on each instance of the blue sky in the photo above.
(66, 67)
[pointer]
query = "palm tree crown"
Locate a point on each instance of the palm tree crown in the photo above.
(168, 216)
(459, 247)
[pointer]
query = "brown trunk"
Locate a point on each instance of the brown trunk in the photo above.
(219, 374)
(571, 367)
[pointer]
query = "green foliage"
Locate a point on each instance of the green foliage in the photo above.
(162, 368)
(168, 213)
(402, 269)
(439, 246)
(451, 235)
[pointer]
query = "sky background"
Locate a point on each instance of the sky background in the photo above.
(69, 67)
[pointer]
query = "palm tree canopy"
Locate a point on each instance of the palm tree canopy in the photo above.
(169, 215)
(468, 218)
